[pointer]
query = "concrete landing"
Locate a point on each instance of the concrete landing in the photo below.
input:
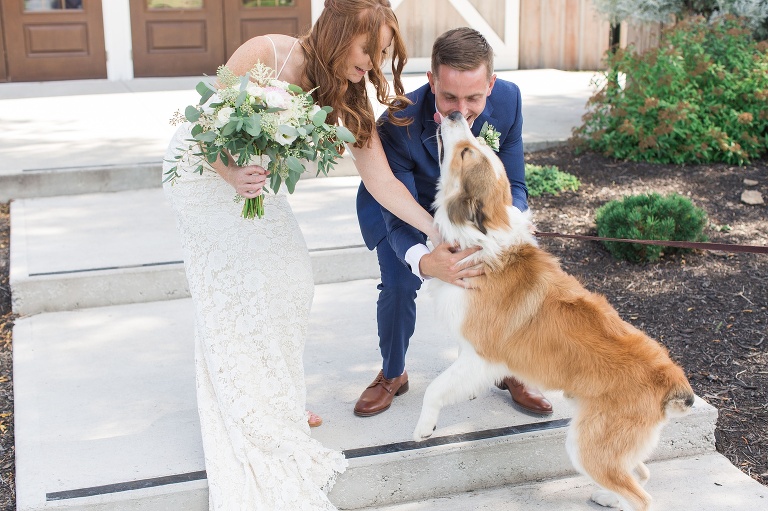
(106, 419)
(91, 250)
(707, 482)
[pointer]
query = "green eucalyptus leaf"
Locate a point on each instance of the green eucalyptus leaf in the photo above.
(207, 136)
(275, 181)
(319, 118)
(228, 128)
(240, 98)
(192, 114)
(291, 183)
(294, 165)
(343, 134)
(288, 130)
(205, 91)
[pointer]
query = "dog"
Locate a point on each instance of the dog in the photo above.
(530, 319)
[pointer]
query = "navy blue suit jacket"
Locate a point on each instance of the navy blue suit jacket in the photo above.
(413, 158)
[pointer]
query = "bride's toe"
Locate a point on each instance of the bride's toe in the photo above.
(313, 419)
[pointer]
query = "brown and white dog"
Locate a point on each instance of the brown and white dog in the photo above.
(532, 320)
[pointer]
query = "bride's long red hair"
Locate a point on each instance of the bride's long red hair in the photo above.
(326, 47)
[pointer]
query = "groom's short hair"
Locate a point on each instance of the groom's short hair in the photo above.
(462, 48)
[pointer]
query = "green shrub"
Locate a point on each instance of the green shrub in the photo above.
(701, 96)
(548, 180)
(649, 217)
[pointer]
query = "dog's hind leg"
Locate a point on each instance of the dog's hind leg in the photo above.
(643, 474)
(607, 451)
(463, 379)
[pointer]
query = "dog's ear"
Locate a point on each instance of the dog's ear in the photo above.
(467, 209)
(476, 215)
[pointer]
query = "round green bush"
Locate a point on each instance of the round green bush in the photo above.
(548, 179)
(649, 217)
(701, 96)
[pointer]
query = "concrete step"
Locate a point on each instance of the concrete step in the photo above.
(92, 250)
(705, 482)
(105, 414)
(51, 182)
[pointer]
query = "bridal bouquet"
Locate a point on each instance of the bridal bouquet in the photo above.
(246, 117)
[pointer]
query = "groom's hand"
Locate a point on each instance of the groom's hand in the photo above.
(446, 263)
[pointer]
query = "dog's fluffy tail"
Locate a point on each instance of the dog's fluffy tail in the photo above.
(679, 399)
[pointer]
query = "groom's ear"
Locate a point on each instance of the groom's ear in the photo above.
(431, 79)
(491, 84)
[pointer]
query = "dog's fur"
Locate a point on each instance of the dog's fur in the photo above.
(532, 320)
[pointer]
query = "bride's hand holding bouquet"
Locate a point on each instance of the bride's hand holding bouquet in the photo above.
(241, 118)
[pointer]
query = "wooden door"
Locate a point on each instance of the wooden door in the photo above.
(3, 68)
(177, 37)
(54, 39)
(245, 19)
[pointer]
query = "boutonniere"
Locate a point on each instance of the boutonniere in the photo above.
(489, 136)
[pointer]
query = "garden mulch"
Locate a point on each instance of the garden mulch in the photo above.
(710, 309)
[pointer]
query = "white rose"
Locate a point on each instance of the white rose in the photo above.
(223, 116)
(275, 99)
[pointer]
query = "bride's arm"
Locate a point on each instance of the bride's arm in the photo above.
(371, 163)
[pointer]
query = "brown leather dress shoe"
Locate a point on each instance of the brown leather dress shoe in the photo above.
(379, 394)
(529, 399)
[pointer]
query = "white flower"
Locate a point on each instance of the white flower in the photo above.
(276, 98)
(279, 83)
(222, 117)
(285, 135)
(255, 92)
(489, 136)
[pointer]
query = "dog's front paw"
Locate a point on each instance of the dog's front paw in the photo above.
(606, 498)
(423, 431)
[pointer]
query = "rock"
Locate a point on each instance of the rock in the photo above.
(752, 197)
(750, 182)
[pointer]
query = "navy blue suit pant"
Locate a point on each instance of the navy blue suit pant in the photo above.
(395, 309)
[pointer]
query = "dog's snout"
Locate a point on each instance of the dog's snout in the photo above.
(455, 116)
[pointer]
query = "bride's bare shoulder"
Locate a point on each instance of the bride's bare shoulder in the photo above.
(259, 49)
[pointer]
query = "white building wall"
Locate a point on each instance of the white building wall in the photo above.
(117, 39)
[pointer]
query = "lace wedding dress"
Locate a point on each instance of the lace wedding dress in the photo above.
(252, 287)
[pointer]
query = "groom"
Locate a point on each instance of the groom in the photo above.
(461, 79)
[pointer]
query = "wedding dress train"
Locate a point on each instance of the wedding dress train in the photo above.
(252, 286)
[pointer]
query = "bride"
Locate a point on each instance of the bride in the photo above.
(251, 279)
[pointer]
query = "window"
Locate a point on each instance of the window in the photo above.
(175, 4)
(52, 5)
